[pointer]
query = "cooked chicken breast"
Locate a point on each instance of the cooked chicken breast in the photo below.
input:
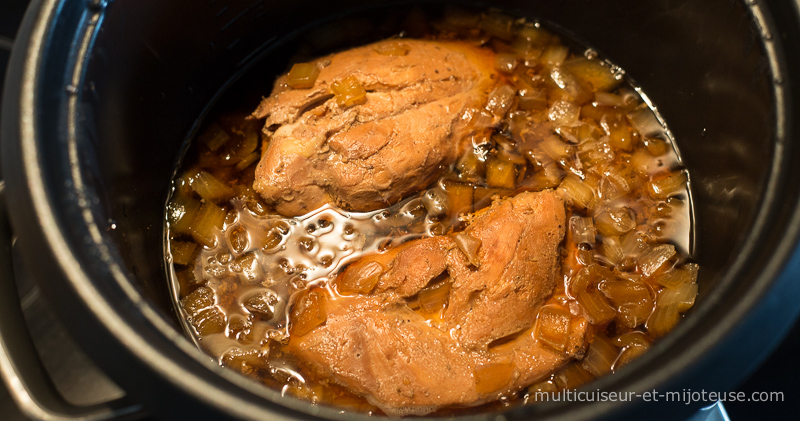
(369, 155)
(409, 362)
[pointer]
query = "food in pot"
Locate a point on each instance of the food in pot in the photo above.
(472, 217)
(413, 329)
(339, 144)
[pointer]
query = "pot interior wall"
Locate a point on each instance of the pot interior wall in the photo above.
(156, 66)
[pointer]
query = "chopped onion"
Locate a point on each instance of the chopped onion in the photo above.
(302, 75)
(572, 376)
(600, 356)
(214, 137)
(664, 187)
(662, 320)
(576, 92)
(583, 230)
(645, 122)
(470, 167)
(622, 177)
(492, 377)
(615, 222)
(656, 146)
(500, 100)
(434, 299)
(238, 240)
(506, 62)
(210, 188)
(247, 269)
(308, 312)
(435, 201)
(624, 291)
(205, 316)
(629, 353)
(620, 136)
(181, 212)
(501, 174)
(635, 338)
(579, 282)
(209, 220)
(612, 249)
(655, 259)
(554, 55)
(593, 73)
(360, 277)
(459, 197)
(531, 98)
(605, 98)
(681, 297)
(564, 113)
(532, 33)
(470, 246)
(552, 326)
(596, 309)
(577, 191)
(187, 282)
(540, 389)
(675, 277)
(555, 148)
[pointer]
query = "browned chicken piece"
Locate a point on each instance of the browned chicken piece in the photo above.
(411, 362)
(366, 156)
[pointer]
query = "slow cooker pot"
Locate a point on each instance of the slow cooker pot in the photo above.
(101, 96)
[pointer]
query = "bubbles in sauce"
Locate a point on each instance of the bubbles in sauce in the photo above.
(238, 267)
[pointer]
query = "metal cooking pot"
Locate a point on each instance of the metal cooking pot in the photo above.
(101, 96)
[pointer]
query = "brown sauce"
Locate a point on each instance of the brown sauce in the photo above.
(238, 267)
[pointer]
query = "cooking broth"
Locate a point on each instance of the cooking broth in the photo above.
(239, 268)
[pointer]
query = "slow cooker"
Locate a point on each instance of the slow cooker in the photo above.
(101, 96)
